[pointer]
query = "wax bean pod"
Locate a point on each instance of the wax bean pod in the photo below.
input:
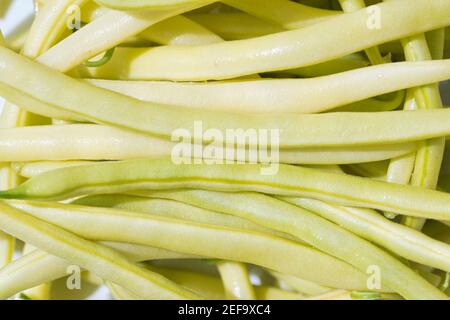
(41, 90)
(185, 237)
(174, 209)
(145, 4)
(313, 44)
(157, 174)
(236, 280)
(178, 30)
(288, 14)
(103, 261)
(286, 95)
(317, 232)
(39, 267)
(105, 33)
(235, 25)
(407, 243)
(97, 142)
(209, 286)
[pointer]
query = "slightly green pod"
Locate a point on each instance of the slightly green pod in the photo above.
(295, 181)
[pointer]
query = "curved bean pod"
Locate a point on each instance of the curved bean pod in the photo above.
(236, 281)
(158, 174)
(404, 241)
(49, 26)
(317, 232)
(178, 30)
(314, 44)
(288, 14)
(42, 90)
(373, 53)
(145, 4)
(39, 267)
(235, 25)
(286, 95)
(216, 242)
(105, 33)
(30, 169)
(300, 285)
(101, 260)
(209, 286)
(429, 156)
(173, 209)
(97, 142)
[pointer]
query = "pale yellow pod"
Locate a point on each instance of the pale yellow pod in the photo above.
(312, 95)
(201, 240)
(324, 41)
(104, 33)
(103, 261)
(38, 267)
(97, 142)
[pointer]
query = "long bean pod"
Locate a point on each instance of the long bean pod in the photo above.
(324, 41)
(286, 95)
(184, 237)
(39, 267)
(373, 53)
(46, 29)
(105, 33)
(235, 25)
(430, 155)
(145, 4)
(157, 174)
(41, 90)
(178, 30)
(173, 209)
(211, 287)
(314, 230)
(236, 280)
(103, 261)
(288, 14)
(405, 242)
(96, 142)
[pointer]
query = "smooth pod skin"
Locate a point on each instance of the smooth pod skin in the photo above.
(42, 90)
(191, 238)
(178, 30)
(138, 70)
(105, 33)
(173, 209)
(236, 280)
(324, 41)
(285, 13)
(145, 4)
(312, 95)
(38, 267)
(103, 261)
(158, 174)
(211, 286)
(98, 142)
(406, 242)
(314, 230)
(429, 157)
(49, 26)
(235, 25)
